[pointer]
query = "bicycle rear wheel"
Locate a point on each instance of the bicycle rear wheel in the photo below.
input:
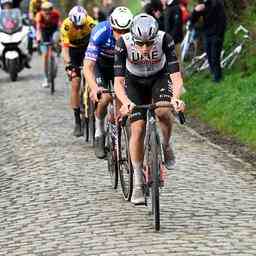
(124, 164)
(91, 122)
(82, 105)
(155, 174)
(112, 153)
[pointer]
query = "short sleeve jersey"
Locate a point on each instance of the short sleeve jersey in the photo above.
(73, 37)
(48, 22)
(161, 57)
(102, 44)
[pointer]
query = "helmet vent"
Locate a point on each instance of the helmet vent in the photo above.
(139, 32)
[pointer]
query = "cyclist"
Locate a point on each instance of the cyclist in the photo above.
(75, 35)
(99, 66)
(145, 66)
(34, 8)
(47, 27)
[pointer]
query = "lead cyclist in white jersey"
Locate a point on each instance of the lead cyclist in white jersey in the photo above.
(146, 67)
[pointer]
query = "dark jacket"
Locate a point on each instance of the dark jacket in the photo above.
(214, 17)
(173, 21)
(152, 7)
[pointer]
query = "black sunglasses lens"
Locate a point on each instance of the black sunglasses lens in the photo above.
(148, 43)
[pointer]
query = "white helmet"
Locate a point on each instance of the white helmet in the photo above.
(77, 15)
(47, 6)
(121, 18)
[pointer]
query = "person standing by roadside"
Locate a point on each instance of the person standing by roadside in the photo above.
(155, 9)
(214, 26)
(173, 23)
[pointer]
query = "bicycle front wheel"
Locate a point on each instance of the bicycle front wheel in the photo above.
(124, 164)
(155, 172)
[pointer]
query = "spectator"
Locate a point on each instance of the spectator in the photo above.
(106, 7)
(185, 14)
(98, 15)
(155, 9)
(173, 21)
(214, 26)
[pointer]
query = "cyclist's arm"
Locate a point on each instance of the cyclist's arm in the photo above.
(173, 67)
(120, 69)
(64, 31)
(38, 26)
(89, 73)
(91, 56)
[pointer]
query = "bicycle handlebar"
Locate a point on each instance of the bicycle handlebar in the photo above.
(241, 28)
(154, 106)
(103, 92)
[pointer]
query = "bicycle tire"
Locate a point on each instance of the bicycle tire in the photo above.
(112, 155)
(82, 106)
(51, 73)
(194, 66)
(91, 122)
(124, 164)
(155, 174)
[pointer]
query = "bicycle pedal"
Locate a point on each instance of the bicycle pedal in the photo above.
(141, 204)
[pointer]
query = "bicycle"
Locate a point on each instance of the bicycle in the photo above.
(232, 56)
(117, 140)
(154, 159)
(197, 64)
(189, 45)
(52, 67)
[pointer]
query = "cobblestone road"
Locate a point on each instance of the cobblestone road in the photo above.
(56, 197)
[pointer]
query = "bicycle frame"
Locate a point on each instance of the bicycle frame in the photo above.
(154, 158)
(51, 65)
(229, 60)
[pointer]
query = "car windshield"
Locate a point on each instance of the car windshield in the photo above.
(10, 20)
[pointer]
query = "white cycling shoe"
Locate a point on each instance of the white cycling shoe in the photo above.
(45, 83)
(138, 197)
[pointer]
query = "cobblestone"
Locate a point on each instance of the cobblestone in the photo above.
(56, 198)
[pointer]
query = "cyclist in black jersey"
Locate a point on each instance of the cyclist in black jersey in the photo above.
(146, 69)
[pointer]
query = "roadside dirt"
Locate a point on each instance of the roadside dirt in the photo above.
(228, 143)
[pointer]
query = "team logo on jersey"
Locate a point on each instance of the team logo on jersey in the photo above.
(66, 27)
(150, 58)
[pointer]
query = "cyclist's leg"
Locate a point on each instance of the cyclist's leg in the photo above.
(216, 57)
(76, 57)
(103, 77)
(136, 93)
(208, 50)
(46, 37)
(162, 92)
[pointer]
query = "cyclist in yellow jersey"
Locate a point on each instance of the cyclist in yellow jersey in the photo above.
(35, 7)
(75, 35)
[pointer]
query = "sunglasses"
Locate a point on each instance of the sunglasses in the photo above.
(79, 27)
(121, 31)
(147, 43)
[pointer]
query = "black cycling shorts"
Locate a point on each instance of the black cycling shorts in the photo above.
(104, 75)
(147, 90)
(47, 34)
(77, 56)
